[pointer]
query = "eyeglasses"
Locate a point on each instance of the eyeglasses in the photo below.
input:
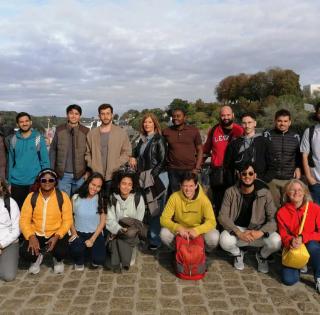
(247, 173)
(44, 180)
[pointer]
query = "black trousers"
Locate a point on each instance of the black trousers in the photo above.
(60, 251)
(19, 193)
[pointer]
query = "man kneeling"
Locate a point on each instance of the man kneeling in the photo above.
(248, 218)
(189, 213)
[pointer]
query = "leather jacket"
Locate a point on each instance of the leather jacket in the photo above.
(154, 155)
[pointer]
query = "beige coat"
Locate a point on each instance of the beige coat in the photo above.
(119, 150)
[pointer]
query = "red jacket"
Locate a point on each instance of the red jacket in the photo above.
(289, 220)
(218, 143)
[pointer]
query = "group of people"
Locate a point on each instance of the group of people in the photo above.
(92, 189)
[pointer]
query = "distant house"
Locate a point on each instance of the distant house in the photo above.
(311, 90)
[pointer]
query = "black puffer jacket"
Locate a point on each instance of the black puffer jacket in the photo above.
(154, 155)
(286, 152)
(258, 152)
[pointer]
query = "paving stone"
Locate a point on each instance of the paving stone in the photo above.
(11, 304)
(121, 303)
(192, 310)
(126, 280)
(39, 300)
(219, 312)
(190, 290)
(47, 288)
(169, 289)
(119, 313)
(123, 292)
(288, 311)
(232, 283)
(242, 312)
(263, 308)
(258, 298)
(99, 307)
(33, 311)
(239, 302)
(107, 278)
(147, 293)
(5, 290)
(192, 299)
(105, 286)
(77, 311)
(170, 303)
(71, 284)
(22, 293)
(252, 286)
(299, 296)
(281, 301)
(170, 312)
(145, 306)
(80, 300)
(147, 283)
(66, 294)
(308, 307)
(218, 304)
(61, 306)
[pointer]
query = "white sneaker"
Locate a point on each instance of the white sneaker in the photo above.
(78, 267)
(58, 266)
(133, 257)
(238, 261)
(304, 269)
(35, 267)
(318, 285)
(263, 265)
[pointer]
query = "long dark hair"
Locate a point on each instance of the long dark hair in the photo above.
(83, 191)
(117, 177)
(4, 190)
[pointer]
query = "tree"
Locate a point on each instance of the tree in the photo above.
(178, 103)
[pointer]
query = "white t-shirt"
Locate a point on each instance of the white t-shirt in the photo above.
(315, 143)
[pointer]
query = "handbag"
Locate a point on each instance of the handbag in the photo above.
(297, 257)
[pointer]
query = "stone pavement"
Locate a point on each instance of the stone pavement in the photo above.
(150, 287)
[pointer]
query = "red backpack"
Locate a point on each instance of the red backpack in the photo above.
(190, 258)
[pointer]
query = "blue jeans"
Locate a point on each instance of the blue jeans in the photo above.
(315, 192)
(291, 275)
(154, 225)
(78, 249)
(69, 184)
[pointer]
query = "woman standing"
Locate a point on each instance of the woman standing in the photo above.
(149, 160)
(289, 219)
(9, 233)
(89, 221)
(124, 203)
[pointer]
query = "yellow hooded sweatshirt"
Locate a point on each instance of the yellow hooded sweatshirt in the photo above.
(196, 213)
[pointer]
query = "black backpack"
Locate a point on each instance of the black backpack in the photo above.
(35, 196)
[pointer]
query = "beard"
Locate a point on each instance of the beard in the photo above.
(246, 185)
(226, 122)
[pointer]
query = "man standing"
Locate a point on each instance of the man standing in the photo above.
(189, 213)
(285, 145)
(68, 149)
(251, 147)
(27, 156)
(184, 149)
(310, 149)
(218, 138)
(108, 146)
(248, 218)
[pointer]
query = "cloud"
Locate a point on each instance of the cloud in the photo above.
(139, 54)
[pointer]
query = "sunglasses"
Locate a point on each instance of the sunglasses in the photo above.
(44, 180)
(247, 173)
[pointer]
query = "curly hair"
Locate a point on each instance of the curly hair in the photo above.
(117, 177)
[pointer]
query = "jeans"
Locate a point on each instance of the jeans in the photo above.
(69, 184)
(78, 249)
(291, 275)
(154, 225)
(315, 192)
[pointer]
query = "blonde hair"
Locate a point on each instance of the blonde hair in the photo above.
(288, 187)
(157, 128)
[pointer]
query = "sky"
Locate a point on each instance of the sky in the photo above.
(143, 54)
